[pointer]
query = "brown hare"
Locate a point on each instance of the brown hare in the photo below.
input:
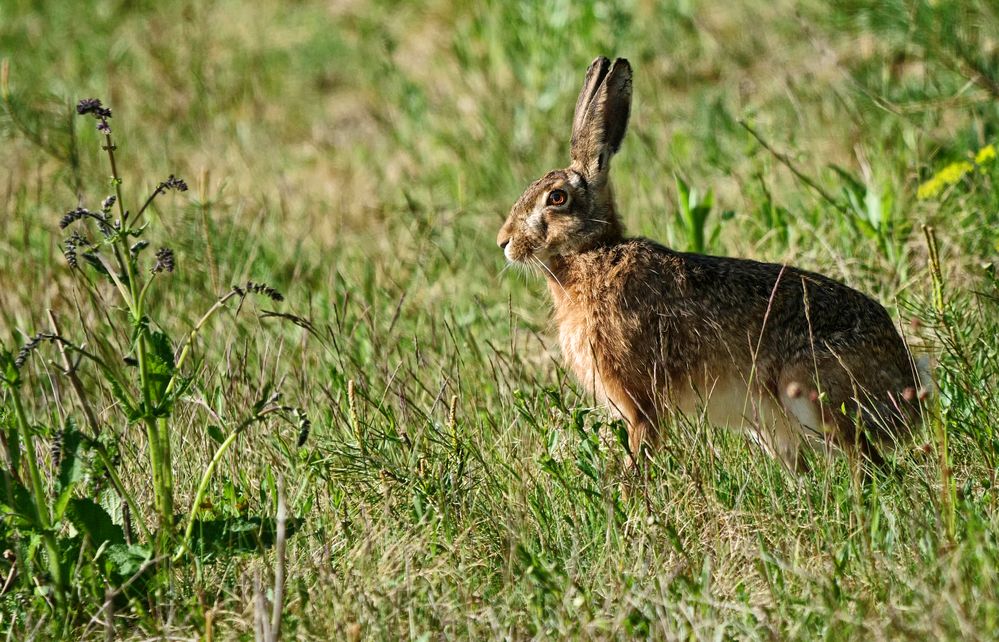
(793, 357)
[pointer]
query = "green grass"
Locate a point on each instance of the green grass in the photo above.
(360, 158)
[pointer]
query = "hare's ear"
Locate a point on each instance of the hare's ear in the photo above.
(601, 116)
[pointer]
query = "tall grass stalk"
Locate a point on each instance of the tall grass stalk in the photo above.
(948, 489)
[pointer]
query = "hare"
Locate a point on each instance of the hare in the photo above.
(792, 357)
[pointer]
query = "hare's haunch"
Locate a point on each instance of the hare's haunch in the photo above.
(792, 356)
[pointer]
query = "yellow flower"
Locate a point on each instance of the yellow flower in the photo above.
(944, 178)
(929, 189)
(985, 155)
(954, 172)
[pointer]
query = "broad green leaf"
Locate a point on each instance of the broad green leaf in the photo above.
(125, 560)
(8, 370)
(17, 501)
(88, 516)
(8, 425)
(160, 365)
(229, 536)
(216, 433)
(71, 468)
(118, 391)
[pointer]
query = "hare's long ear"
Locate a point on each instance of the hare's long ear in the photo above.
(601, 117)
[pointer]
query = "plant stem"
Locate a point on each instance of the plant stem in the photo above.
(785, 160)
(947, 489)
(207, 475)
(109, 147)
(157, 432)
(38, 489)
(122, 491)
(186, 350)
(279, 560)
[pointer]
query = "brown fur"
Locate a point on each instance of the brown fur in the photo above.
(793, 356)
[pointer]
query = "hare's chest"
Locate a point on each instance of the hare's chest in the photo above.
(578, 350)
(584, 340)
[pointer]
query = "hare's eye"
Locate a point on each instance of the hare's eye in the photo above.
(557, 197)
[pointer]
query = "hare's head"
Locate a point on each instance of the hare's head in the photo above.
(569, 210)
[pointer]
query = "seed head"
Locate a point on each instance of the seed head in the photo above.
(164, 260)
(92, 106)
(266, 290)
(29, 347)
(108, 203)
(71, 217)
(74, 243)
(304, 426)
(174, 183)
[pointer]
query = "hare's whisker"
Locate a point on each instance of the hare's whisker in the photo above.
(548, 270)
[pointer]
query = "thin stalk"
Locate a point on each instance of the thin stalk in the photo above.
(109, 147)
(186, 350)
(156, 192)
(122, 492)
(166, 469)
(206, 477)
(144, 291)
(279, 560)
(786, 161)
(947, 489)
(38, 489)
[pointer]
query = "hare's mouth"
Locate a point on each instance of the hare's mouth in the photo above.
(525, 253)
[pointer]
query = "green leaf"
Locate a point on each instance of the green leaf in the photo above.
(118, 392)
(88, 517)
(621, 432)
(10, 373)
(216, 433)
(8, 424)
(228, 536)
(124, 560)
(159, 364)
(16, 500)
(96, 264)
(71, 468)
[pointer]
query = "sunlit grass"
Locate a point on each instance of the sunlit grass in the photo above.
(455, 483)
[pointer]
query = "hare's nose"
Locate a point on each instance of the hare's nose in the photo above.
(503, 243)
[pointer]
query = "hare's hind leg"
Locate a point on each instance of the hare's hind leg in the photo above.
(816, 408)
(780, 433)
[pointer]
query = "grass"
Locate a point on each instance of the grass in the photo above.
(455, 482)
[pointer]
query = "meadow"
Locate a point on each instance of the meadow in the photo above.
(333, 414)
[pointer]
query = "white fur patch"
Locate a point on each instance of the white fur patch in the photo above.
(924, 371)
(781, 429)
(534, 221)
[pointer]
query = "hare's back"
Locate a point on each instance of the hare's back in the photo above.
(778, 312)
